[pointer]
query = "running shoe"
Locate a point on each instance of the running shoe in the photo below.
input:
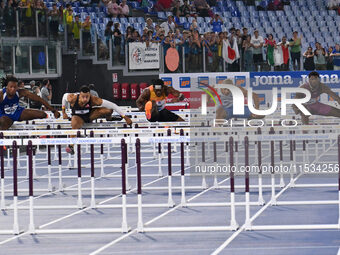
(70, 149)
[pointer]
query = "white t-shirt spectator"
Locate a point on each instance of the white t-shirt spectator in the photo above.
(257, 42)
(167, 27)
(44, 94)
(333, 3)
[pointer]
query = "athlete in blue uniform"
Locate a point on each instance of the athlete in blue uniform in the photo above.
(10, 110)
(225, 111)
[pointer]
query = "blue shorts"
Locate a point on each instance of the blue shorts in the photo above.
(230, 114)
(15, 116)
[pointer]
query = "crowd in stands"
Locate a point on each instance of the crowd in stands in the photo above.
(257, 51)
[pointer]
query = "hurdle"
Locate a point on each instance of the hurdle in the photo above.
(124, 227)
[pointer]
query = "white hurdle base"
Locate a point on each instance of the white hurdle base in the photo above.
(79, 231)
(9, 232)
(295, 227)
(188, 229)
(321, 202)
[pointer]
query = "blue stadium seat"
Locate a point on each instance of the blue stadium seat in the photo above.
(186, 25)
(161, 15)
(137, 26)
(182, 19)
(123, 20)
(200, 20)
(103, 20)
(134, 5)
(190, 19)
(332, 13)
(141, 20)
(132, 20)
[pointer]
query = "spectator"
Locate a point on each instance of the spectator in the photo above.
(193, 25)
(176, 10)
(244, 37)
(195, 49)
(333, 4)
(113, 9)
(54, 21)
(235, 66)
(46, 91)
(86, 25)
(124, 10)
(208, 53)
(219, 41)
(28, 17)
(285, 53)
(2, 10)
(76, 26)
(163, 5)
(329, 59)
(136, 36)
(257, 44)
(186, 48)
(128, 35)
(186, 9)
(320, 57)
(202, 8)
(248, 54)
(309, 59)
(40, 10)
(9, 18)
(169, 25)
(275, 5)
(336, 57)
(295, 51)
(108, 32)
(149, 24)
(270, 44)
(35, 104)
(69, 23)
(239, 39)
(216, 23)
(213, 49)
(117, 41)
(93, 91)
(32, 85)
(22, 100)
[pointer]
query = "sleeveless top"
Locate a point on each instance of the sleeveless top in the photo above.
(81, 110)
(315, 94)
(9, 105)
(160, 101)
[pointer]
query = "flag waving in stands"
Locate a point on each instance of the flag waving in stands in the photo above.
(230, 53)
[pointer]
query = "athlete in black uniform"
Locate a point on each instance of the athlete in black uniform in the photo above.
(86, 108)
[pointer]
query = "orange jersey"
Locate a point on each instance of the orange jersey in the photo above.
(160, 101)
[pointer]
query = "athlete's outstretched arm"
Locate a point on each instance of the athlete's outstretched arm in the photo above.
(142, 99)
(178, 95)
(328, 91)
(34, 97)
(107, 104)
(68, 99)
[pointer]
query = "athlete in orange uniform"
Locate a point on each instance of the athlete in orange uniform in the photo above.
(153, 101)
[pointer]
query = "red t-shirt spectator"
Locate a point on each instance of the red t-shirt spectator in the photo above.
(166, 4)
